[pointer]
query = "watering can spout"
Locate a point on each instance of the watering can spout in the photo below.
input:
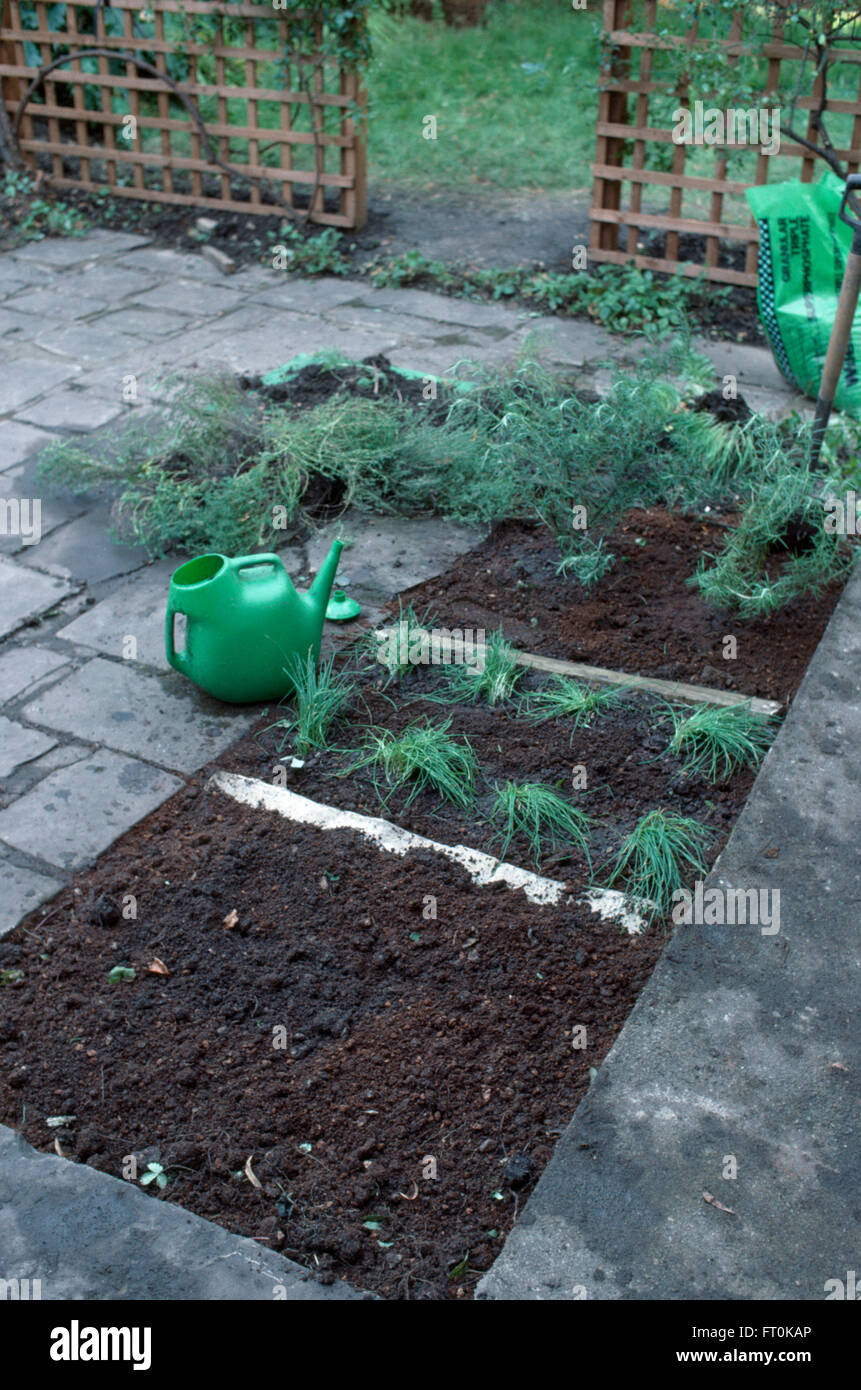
(324, 579)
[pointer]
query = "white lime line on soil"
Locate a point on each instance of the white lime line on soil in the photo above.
(482, 868)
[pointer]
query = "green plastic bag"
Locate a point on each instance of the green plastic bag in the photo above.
(803, 247)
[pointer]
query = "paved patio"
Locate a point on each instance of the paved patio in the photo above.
(91, 738)
(96, 731)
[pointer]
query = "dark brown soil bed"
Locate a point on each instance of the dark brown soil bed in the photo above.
(336, 1042)
(643, 618)
(627, 770)
(340, 1023)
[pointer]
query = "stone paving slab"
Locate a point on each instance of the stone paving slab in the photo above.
(403, 325)
(751, 366)
(84, 551)
(23, 667)
(258, 350)
(55, 303)
(190, 297)
(87, 1235)
(79, 411)
(60, 252)
(21, 484)
(385, 556)
(24, 594)
(19, 744)
(144, 323)
(315, 296)
(57, 252)
(438, 308)
(15, 277)
(15, 326)
(27, 378)
(744, 1042)
(18, 442)
(77, 812)
(166, 720)
(110, 280)
(135, 608)
(90, 342)
(23, 891)
(167, 263)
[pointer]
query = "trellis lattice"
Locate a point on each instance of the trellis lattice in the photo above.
(288, 126)
(623, 138)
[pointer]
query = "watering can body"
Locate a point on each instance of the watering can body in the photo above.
(245, 623)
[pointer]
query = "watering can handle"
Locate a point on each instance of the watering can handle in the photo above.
(175, 658)
(246, 562)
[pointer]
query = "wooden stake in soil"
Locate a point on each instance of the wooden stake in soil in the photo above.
(670, 690)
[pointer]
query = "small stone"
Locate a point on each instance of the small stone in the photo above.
(518, 1171)
(105, 912)
(225, 263)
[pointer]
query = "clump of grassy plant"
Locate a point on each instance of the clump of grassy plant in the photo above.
(540, 815)
(319, 698)
(657, 854)
(424, 756)
(715, 742)
(494, 679)
(190, 476)
(565, 698)
(398, 647)
(588, 563)
(780, 549)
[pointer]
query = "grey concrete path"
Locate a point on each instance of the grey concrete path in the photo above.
(742, 1055)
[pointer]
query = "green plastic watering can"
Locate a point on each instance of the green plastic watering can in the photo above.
(245, 623)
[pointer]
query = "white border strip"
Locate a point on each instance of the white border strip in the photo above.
(482, 868)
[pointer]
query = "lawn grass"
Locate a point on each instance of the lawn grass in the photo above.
(515, 101)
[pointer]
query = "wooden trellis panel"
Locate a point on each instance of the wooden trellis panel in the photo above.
(76, 128)
(615, 128)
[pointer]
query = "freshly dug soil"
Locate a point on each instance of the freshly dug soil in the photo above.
(643, 618)
(385, 1046)
(394, 1082)
(371, 378)
(623, 753)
